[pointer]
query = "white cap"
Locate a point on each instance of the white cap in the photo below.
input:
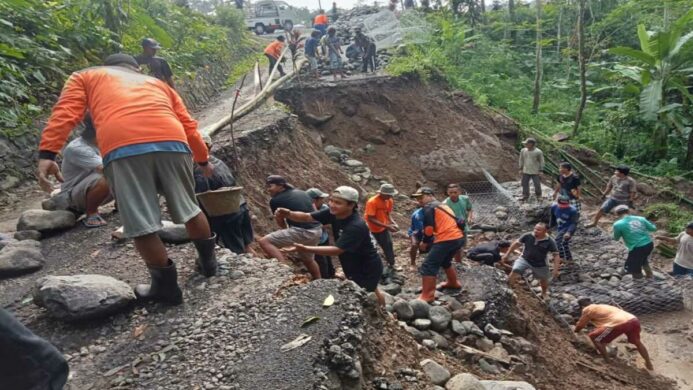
(620, 209)
(347, 193)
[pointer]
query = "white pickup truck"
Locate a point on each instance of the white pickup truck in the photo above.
(268, 15)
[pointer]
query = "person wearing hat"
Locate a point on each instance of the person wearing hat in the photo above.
(636, 232)
(683, 262)
(531, 165)
(621, 190)
(148, 141)
(324, 262)
(273, 51)
(234, 231)
(442, 238)
(353, 244)
(158, 67)
(378, 216)
(285, 196)
(564, 217)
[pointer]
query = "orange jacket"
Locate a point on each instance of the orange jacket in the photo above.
(275, 49)
(320, 19)
(127, 108)
(380, 209)
(439, 225)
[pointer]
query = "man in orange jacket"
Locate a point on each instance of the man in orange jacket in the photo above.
(146, 137)
(273, 51)
(320, 22)
(442, 238)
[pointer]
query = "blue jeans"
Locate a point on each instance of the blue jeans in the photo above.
(681, 271)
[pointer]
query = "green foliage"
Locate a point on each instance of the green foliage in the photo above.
(675, 217)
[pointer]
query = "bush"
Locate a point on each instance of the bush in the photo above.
(673, 216)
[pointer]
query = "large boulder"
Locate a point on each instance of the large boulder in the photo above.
(435, 372)
(464, 381)
(173, 233)
(79, 297)
(45, 220)
(403, 310)
(21, 257)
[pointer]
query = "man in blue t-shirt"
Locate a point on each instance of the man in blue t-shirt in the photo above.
(415, 233)
(564, 217)
(636, 233)
(311, 51)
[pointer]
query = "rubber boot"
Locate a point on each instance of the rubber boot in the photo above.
(207, 258)
(428, 292)
(164, 286)
(452, 282)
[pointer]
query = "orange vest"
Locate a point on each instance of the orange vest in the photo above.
(274, 49)
(320, 19)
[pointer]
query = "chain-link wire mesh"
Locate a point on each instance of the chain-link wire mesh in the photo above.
(493, 205)
(388, 30)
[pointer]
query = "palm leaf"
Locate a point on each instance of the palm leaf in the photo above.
(680, 43)
(644, 39)
(651, 99)
(633, 53)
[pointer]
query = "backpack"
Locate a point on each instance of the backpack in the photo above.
(461, 224)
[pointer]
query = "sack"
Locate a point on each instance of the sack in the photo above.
(461, 224)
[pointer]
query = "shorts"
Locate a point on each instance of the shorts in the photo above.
(137, 181)
(521, 265)
(368, 281)
(637, 259)
(610, 203)
(440, 255)
(680, 270)
(313, 62)
(78, 193)
(234, 231)
(606, 335)
(335, 61)
(291, 235)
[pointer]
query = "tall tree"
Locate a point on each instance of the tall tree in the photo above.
(511, 23)
(582, 66)
(538, 71)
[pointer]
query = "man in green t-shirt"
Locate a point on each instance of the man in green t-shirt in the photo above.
(462, 207)
(636, 234)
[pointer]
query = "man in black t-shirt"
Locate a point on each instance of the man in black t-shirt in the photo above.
(286, 196)
(158, 67)
(488, 253)
(354, 244)
(568, 184)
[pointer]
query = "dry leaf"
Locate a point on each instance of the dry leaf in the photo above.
(137, 332)
(309, 321)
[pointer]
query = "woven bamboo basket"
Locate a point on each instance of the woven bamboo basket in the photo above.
(225, 200)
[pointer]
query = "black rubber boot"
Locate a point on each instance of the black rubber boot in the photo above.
(206, 257)
(163, 288)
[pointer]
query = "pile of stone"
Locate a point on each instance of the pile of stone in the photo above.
(357, 170)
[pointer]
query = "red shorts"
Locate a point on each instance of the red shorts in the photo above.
(630, 328)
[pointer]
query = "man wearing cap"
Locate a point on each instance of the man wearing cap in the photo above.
(683, 262)
(531, 166)
(284, 195)
(537, 244)
(273, 51)
(158, 67)
(234, 231)
(324, 262)
(378, 216)
(636, 234)
(621, 189)
(148, 141)
(442, 238)
(565, 218)
(353, 243)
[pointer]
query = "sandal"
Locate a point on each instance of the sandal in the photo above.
(94, 221)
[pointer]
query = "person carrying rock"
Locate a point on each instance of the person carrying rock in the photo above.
(367, 45)
(683, 262)
(27, 361)
(564, 217)
(462, 207)
(149, 142)
(537, 244)
(442, 238)
(273, 51)
(285, 196)
(158, 67)
(311, 51)
(378, 216)
(85, 188)
(415, 234)
(621, 189)
(610, 322)
(531, 165)
(636, 234)
(234, 230)
(353, 245)
(489, 253)
(324, 262)
(568, 184)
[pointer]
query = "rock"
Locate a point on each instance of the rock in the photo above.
(6, 242)
(462, 314)
(173, 233)
(458, 328)
(351, 163)
(27, 235)
(435, 372)
(418, 335)
(333, 152)
(46, 221)
(499, 352)
(440, 340)
(316, 120)
(428, 343)
(646, 189)
(560, 137)
(403, 310)
(78, 297)
(488, 367)
(22, 257)
(391, 288)
(420, 308)
(464, 381)
(507, 385)
(440, 318)
(484, 344)
(472, 328)
(492, 332)
(422, 324)
(478, 308)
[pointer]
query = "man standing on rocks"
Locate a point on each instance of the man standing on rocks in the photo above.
(311, 51)
(621, 189)
(285, 196)
(378, 216)
(353, 243)
(611, 322)
(442, 239)
(147, 137)
(531, 166)
(636, 234)
(324, 262)
(334, 52)
(462, 207)
(368, 49)
(415, 234)
(683, 263)
(158, 67)
(320, 22)
(565, 218)
(568, 184)
(273, 51)
(537, 245)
